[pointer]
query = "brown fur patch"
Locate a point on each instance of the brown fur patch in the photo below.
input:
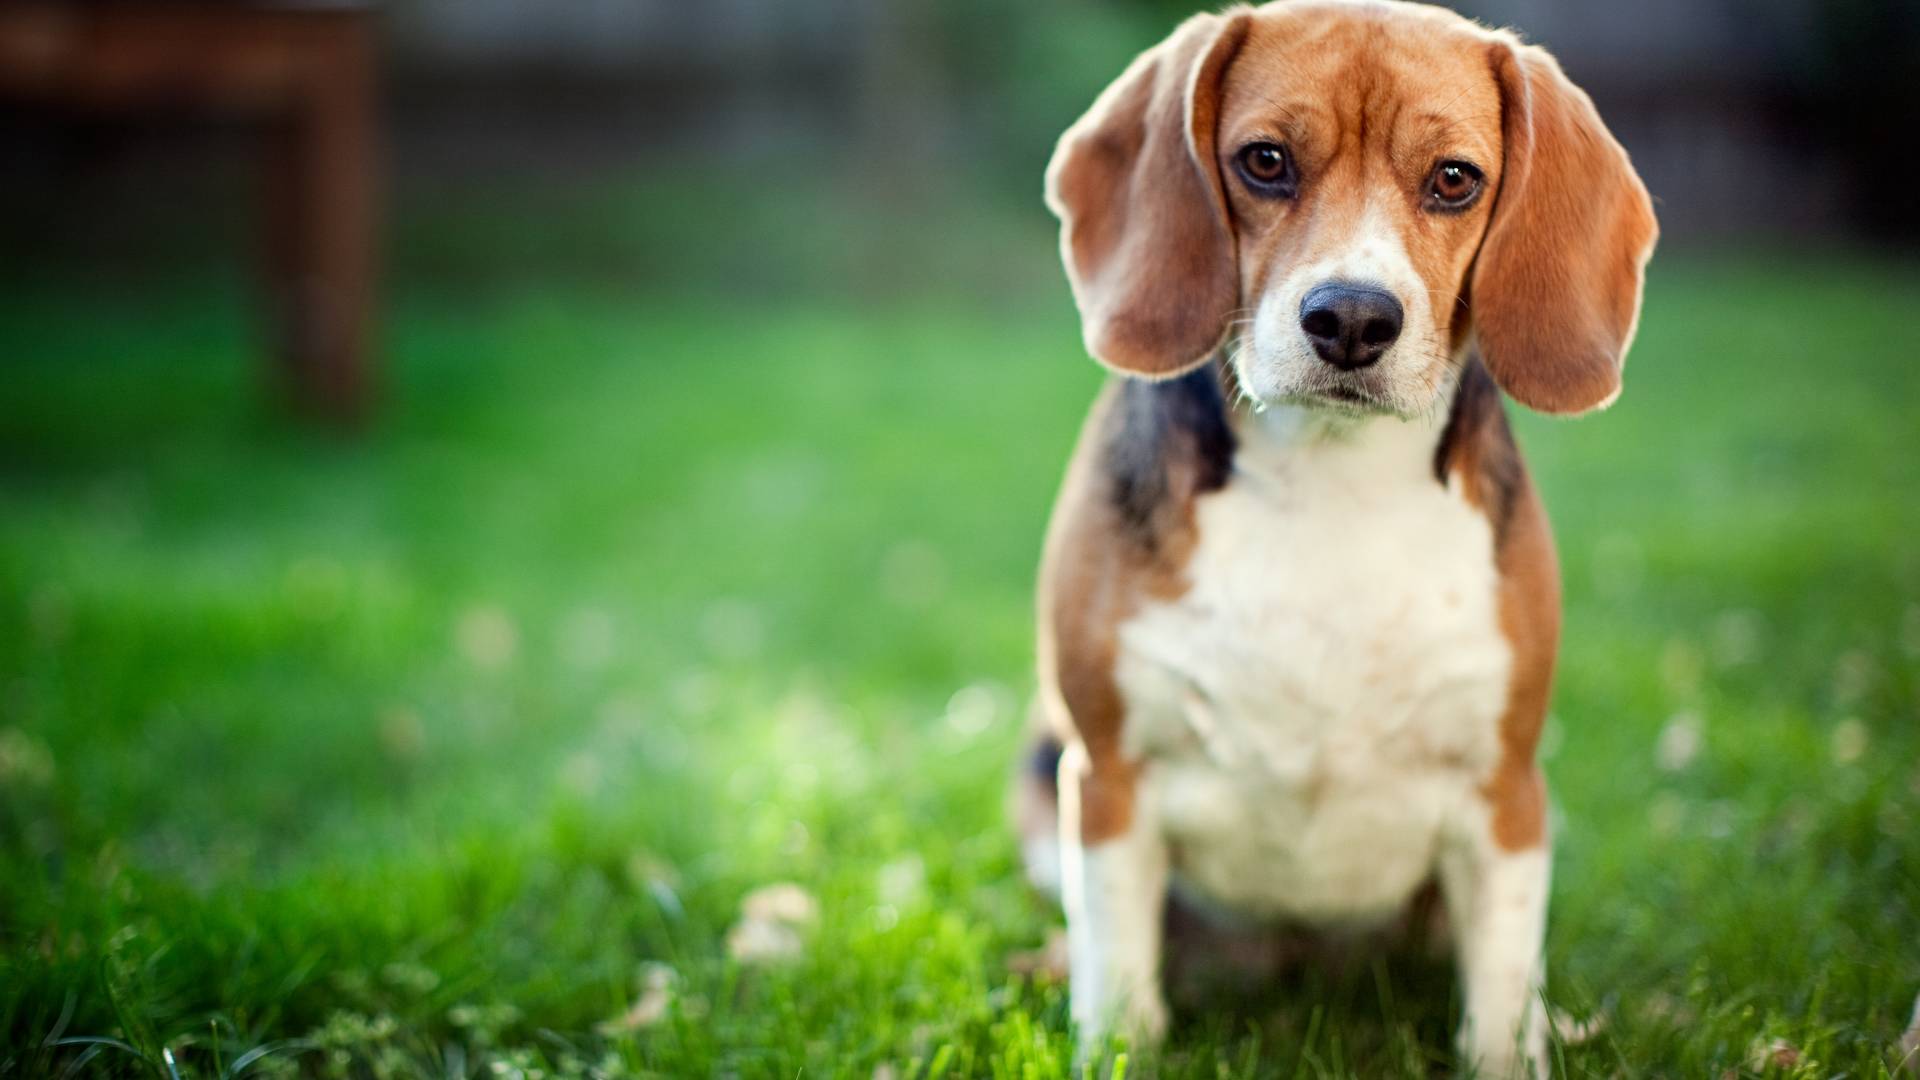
(1122, 533)
(1478, 453)
(1556, 290)
(1143, 229)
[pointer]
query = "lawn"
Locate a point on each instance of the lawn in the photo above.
(438, 749)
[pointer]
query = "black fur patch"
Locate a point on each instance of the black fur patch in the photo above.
(1479, 418)
(1155, 427)
(1043, 761)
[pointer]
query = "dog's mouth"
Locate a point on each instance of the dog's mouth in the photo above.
(1343, 398)
(1347, 397)
(1384, 388)
(1375, 393)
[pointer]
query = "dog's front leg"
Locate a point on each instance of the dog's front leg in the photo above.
(1114, 888)
(1497, 907)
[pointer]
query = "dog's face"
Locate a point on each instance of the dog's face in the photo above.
(1356, 213)
(1347, 192)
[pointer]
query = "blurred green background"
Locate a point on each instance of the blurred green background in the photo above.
(726, 375)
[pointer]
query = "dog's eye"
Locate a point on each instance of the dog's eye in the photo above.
(1267, 168)
(1454, 185)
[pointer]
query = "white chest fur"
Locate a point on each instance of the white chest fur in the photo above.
(1318, 707)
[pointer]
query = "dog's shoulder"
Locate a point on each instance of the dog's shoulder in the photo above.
(1161, 445)
(1477, 452)
(1123, 525)
(1122, 534)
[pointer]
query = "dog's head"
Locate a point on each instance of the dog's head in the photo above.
(1349, 191)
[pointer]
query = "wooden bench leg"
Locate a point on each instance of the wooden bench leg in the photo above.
(322, 208)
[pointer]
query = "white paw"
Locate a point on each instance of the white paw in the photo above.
(1141, 1021)
(1508, 1061)
(1145, 1021)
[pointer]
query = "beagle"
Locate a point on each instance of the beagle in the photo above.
(1299, 604)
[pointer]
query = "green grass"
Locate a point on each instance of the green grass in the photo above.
(404, 754)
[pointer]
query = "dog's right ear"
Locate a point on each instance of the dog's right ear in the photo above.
(1143, 220)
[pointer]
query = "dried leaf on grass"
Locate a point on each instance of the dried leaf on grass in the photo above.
(656, 998)
(1776, 1053)
(1577, 1031)
(782, 902)
(771, 920)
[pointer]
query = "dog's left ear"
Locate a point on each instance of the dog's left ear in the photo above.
(1555, 293)
(1143, 219)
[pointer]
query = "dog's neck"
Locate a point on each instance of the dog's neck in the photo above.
(1369, 445)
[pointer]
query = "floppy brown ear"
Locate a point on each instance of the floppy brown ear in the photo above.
(1555, 293)
(1143, 219)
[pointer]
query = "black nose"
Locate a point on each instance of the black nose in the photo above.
(1350, 325)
